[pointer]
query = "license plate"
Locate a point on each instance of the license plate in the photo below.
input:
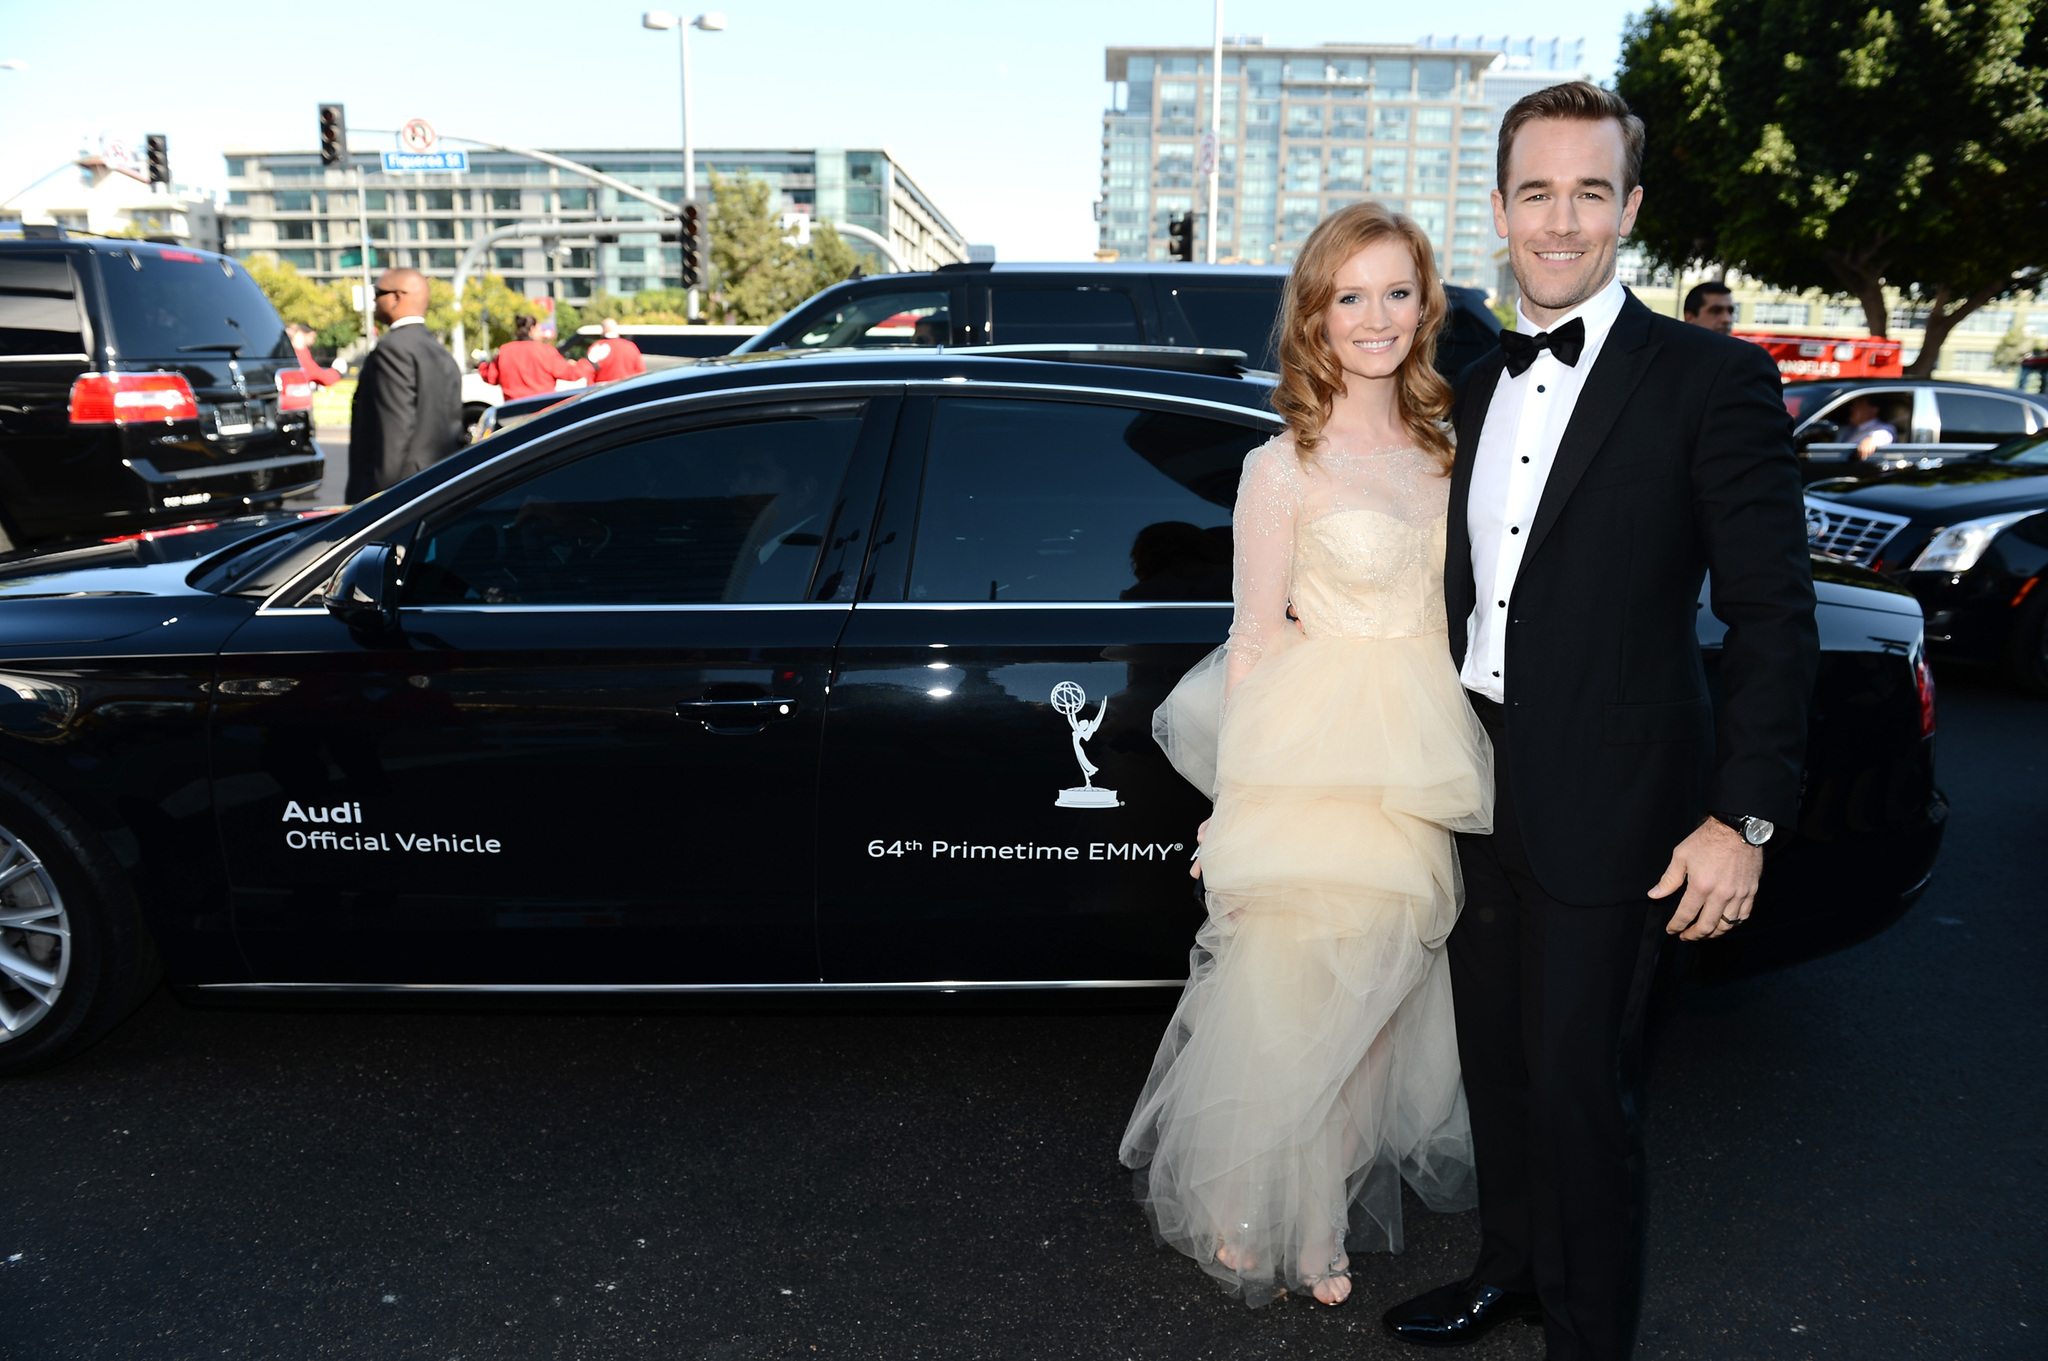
(233, 420)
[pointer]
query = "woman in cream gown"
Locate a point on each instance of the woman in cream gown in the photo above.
(1312, 1063)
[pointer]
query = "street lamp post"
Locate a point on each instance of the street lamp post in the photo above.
(711, 22)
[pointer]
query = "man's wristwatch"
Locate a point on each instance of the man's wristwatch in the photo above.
(1753, 830)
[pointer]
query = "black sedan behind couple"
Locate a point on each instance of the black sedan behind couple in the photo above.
(792, 672)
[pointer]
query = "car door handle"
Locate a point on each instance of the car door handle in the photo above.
(737, 715)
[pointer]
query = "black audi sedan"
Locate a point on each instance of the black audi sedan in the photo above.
(141, 385)
(798, 672)
(1968, 538)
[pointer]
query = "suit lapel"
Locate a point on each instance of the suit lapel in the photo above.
(1623, 360)
(1459, 590)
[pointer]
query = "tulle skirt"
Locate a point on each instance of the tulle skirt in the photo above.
(1312, 1063)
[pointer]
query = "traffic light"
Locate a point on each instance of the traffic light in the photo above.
(689, 234)
(159, 154)
(333, 135)
(1181, 238)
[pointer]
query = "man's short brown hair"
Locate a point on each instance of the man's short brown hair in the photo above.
(1582, 102)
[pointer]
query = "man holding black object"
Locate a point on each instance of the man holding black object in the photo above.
(1608, 458)
(407, 412)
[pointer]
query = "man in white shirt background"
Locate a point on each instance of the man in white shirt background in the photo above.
(1867, 429)
(1607, 459)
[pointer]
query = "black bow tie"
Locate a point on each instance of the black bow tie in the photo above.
(1567, 342)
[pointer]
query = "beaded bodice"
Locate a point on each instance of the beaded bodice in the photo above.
(1353, 540)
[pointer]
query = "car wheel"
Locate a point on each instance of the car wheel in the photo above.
(74, 957)
(2026, 657)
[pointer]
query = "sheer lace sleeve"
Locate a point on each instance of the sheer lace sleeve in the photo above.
(1262, 529)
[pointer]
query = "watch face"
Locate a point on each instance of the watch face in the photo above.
(1756, 831)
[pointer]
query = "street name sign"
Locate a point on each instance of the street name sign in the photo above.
(398, 161)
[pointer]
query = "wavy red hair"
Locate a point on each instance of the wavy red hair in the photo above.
(1310, 376)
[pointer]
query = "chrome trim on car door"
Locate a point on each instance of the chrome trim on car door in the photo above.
(149, 472)
(961, 605)
(936, 985)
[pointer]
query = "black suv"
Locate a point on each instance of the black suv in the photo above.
(141, 385)
(1216, 307)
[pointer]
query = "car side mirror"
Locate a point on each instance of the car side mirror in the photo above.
(365, 591)
(1820, 432)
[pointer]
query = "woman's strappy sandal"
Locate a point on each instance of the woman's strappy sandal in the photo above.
(1340, 1270)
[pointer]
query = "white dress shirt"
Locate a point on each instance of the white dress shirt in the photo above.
(405, 321)
(1517, 445)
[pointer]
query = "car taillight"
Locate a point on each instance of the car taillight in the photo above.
(118, 398)
(151, 535)
(294, 390)
(1923, 686)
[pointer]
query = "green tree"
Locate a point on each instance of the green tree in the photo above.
(328, 310)
(757, 272)
(2015, 344)
(489, 307)
(1847, 145)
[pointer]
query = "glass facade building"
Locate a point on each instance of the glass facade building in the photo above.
(1303, 131)
(290, 205)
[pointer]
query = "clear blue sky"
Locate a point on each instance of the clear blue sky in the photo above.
(995, 110)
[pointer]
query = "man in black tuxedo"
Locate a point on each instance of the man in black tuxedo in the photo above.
(1608, 458)
(407, 412)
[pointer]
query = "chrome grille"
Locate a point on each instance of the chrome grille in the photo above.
(1850, 534)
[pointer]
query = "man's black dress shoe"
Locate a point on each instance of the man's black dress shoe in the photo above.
(1453, 1315)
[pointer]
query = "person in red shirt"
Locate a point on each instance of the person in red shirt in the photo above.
(525, 366)
(615, 356)
(302, 338)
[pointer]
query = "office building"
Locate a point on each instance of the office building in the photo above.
(289, 204)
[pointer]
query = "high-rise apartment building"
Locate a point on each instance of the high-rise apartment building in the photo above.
(1304, 131)
(289, 204)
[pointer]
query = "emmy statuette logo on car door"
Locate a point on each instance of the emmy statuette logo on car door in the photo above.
(1069, 698)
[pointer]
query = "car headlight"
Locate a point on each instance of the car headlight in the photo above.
(1957, 548)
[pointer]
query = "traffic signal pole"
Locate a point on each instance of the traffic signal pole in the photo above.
(1216, 128)
(333, 151)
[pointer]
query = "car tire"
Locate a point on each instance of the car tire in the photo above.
(2026, 655)
(75, 958)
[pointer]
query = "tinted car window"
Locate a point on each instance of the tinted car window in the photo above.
(1027, 500)
(1233, 319)
(1064, 316)
(172, 303)
(923, 318)
(733, 512)
(1967, 418)
(39, 311)
(1803, 402)
(686, 346)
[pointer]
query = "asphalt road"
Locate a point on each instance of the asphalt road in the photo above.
(1847, 1161)
(333, 441)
